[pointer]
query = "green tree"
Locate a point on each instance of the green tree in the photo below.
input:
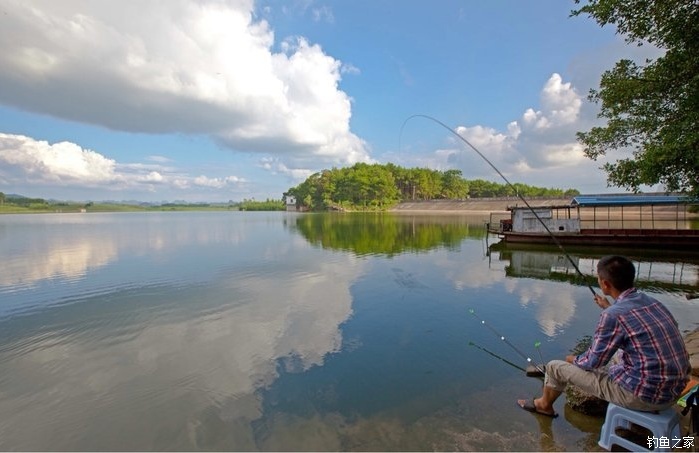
(453, 185)
(2, 198)
(652, 109)
(378, 187)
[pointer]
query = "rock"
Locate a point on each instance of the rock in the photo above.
(577, 399)
(584, 402)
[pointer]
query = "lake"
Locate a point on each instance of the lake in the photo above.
(246, 331)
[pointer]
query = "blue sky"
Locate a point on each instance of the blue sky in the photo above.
(231, 100)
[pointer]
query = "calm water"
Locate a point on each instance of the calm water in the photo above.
(280, 331)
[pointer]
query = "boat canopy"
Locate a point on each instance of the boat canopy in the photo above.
(629, 200)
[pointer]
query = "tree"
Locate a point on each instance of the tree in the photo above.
(454, 186)
(2, 198)
(378, 187)
(652, 109)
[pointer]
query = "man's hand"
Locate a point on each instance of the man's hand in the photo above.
(570, 358)
(602, 301)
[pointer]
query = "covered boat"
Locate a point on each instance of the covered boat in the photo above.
(649, 221)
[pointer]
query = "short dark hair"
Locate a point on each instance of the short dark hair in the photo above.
(618, 271)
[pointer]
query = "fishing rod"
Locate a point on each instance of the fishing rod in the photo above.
(507, 342)
(471, 343)
(520, 196)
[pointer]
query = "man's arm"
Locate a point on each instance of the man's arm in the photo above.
(606, 341)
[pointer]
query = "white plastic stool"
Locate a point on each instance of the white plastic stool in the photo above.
(666, 424)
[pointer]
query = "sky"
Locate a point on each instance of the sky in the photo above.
(218, 100)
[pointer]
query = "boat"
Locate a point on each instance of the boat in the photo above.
(659, 221)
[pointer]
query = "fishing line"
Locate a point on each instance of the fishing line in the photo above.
(520, 196)
(507, 342)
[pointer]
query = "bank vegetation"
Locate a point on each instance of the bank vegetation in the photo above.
(376, 187)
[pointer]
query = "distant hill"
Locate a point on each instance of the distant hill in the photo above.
(14, 196)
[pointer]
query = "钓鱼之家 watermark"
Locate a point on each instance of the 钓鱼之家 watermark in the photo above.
(666, 442)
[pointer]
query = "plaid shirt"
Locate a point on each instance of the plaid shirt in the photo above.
(654, 362)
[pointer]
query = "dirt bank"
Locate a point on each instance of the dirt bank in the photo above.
(500, 205)
(476, 205)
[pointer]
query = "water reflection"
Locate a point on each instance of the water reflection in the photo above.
(273, 332)
(676, 272)
(386, 234)
(173, 365)
(671, 277)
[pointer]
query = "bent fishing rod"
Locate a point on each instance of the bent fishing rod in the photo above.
(509, 184)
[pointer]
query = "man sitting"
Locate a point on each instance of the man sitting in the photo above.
(653, 366)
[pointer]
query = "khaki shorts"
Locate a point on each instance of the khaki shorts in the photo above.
(560, 373)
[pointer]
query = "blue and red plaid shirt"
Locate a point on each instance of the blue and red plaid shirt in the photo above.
(654, 362)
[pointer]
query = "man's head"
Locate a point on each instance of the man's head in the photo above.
(617, 271)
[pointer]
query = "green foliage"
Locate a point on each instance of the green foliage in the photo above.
(383, 234)
(267, 205)
(377, 187)
(31, 203)
(651, 109)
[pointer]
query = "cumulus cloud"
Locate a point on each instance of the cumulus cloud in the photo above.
(539, 146)
(61, 162)
(276, 167)
(218, 183)
(205, 67)
(560, 103)
(67, 164)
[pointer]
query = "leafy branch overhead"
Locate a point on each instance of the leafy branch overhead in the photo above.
(651, 109)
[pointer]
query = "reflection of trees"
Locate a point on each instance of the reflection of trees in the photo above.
(385, 234)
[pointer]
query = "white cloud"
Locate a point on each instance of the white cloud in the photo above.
(218, 183)
(323, 14)
(540, 148)
(485, 137)
(62, 162)
(561, 101)
(66, 164)
(183, 66)
(561, 106)
(348, 68)
(274, 166)
(159, 159)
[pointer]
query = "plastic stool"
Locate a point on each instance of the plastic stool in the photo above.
(666, 424)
